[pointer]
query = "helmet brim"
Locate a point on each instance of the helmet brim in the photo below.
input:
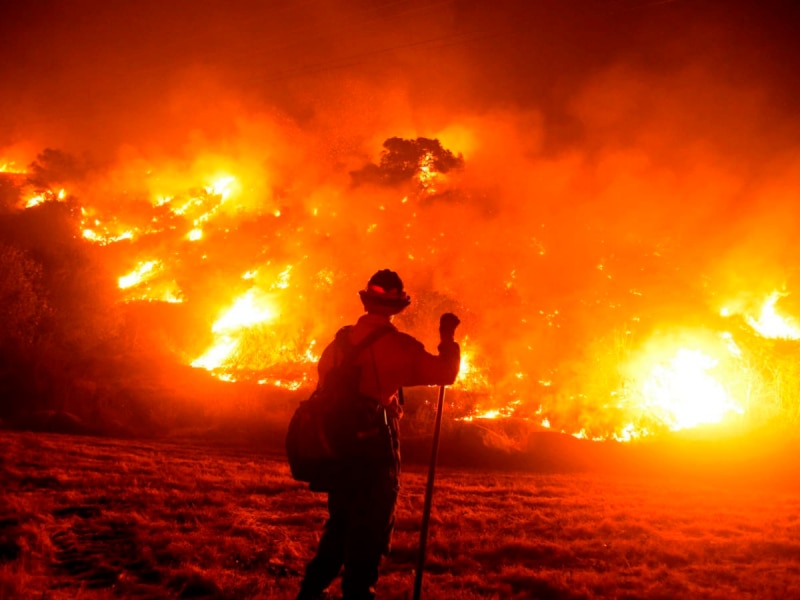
(394, 299)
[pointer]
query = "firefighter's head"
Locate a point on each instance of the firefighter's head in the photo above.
(384, 294)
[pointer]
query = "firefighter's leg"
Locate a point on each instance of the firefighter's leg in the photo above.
(327, 563)
(369, 535)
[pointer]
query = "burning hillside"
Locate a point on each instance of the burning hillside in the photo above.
(269, 276)
(608, 205)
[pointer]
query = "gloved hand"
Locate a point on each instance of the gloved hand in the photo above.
(447, 326)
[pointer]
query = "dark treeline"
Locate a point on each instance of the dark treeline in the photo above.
(67, 344)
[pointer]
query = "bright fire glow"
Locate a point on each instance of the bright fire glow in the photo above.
(683, 393)
(218, 354)
(142, 272)
(772, 325)
(11, 167)
(470, 376)
(105, 239)
(45, 196)
(427, 175)
(223, 186)
(35, 200)
(678, 386)
(629, 432)
(164, 291)
(250, 309)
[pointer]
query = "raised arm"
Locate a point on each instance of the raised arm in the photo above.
(441, 369)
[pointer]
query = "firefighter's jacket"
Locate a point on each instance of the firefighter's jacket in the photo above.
(394, 360)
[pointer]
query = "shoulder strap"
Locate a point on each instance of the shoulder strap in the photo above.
(350, 351)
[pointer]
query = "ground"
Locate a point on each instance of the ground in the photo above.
(87, 517)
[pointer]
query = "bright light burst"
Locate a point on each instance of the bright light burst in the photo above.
(218, 354)
(142, 272)
(252, 308)
(679, 387)
(470, 376)
(427, 174)
(683, 393)
(222, 186)
(105, 238)
(45, 196)
(10, 166)
(770, 324)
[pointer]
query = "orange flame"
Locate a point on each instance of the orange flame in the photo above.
(684, 394)
(471, 377)
(10, 167)
(427, 175)
(680, 382)
(770, 324)
(683, 389)
(223, 187)
(45, 196)
(252, 308)
(142, 272)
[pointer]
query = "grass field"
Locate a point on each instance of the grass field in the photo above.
(84, 517)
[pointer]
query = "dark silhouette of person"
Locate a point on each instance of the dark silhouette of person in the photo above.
(361, 501)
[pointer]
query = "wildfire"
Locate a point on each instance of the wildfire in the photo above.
(470, 376)
(142, 284)
(427, 175)
(218, 354)
(493, 413)
(672, 386)
(249, 309)
(223, 187)
(142, 272)
(770, 324)
(45, 196)
(252, 308)
(105, 238)
(683, 393)
(10, 167)
(202, 203)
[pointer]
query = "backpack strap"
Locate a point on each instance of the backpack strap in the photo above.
(351, 351)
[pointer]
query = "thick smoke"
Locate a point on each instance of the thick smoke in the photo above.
(628, 167)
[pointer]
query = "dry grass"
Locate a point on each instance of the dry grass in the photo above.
(95, 518)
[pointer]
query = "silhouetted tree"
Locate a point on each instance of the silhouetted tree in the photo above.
(9, 190)
(23, 310)
(22, 306)
(402, 159)
(58, 307)
(55, 167)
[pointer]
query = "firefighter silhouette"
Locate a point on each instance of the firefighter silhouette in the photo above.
(361, 502)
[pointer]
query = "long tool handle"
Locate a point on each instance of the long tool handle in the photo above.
(426, 511)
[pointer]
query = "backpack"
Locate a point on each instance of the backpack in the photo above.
(326, 430)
